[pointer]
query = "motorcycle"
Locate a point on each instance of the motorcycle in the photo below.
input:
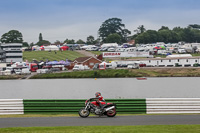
(92, 106)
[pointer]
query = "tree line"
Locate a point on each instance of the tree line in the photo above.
(164, 34)
(113, 31)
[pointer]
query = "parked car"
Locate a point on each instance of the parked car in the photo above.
(42, 70)
(90, 48)
(181, 51)
(18, 71)
(7, 72)
(95, 49)
(103, 49)
(96, 66)
(133, 66)
(80, 68)
(111, 49)
(26, 71)
(11, 69)
(53, 69)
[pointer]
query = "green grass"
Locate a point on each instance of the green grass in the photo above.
(97, 52)
(90, 74)
(9, 77)
(120, 73)
(44, 55)
(107, 129)
(196, 54)
(161, 56)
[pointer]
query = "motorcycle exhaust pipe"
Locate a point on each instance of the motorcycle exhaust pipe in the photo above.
(110, 108)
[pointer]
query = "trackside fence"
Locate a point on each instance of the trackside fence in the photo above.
(133, 106)
(11, 106)
(172, 105)
(126, 106)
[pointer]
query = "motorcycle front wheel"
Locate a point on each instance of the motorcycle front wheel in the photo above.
(84, 113)
(111, 113)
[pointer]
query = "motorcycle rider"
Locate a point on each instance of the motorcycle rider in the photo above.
(100, 100)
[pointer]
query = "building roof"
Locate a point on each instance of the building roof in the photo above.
(11, 44)
(142, 59)
(84, 59)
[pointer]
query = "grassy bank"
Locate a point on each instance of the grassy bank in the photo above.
(44, 55)
(10, 77)
(119, 73)
(107, 129)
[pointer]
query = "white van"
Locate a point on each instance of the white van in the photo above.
(26, 71)
(80, 68)
(181, 51)
(120, 49)
(42, 70)
(105, 65)
(7, 72)
(133, 66)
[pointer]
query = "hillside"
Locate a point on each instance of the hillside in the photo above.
(44, 55)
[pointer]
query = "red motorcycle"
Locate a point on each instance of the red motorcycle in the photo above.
(92, 106)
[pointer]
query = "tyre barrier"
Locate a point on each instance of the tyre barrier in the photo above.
(126, 106)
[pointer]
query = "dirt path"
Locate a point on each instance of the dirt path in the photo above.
(86, 53)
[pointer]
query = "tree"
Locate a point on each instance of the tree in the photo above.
(40, 37)
(164, 28)
(150, 36)
(195, 26)
(13, 36)
(140, 29)
(90, 40)
(80, 41)
(32, 44)
(40, 43)
(25, 44)
(111, 26)
(69, 41)
(113, 38)
(57, 42)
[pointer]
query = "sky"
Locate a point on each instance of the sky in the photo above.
(78, 19)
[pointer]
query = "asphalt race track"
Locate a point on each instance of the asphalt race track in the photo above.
(97, 121)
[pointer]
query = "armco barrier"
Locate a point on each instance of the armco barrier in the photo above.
(127, 106)
(11, 106)
(132, 106)
(172, 105)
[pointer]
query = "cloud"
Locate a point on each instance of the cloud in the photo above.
(77, 19)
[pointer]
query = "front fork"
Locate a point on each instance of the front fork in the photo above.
(86, 107)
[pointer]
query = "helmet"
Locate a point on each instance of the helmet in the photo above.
(97, 94)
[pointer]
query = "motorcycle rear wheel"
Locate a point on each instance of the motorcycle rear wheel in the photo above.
(84, 113)
(111, 113)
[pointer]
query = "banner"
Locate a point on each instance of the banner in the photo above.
(125, 54)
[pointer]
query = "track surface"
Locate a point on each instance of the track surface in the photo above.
(97, 121)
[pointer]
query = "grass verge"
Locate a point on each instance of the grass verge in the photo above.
(9, 77)
(107, 129)
(44, 55)
(120, 73)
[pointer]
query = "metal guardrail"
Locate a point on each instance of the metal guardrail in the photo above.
(11, 106)
(172, 105)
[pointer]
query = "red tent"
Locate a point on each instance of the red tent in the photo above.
(157, 47)
(42, 47)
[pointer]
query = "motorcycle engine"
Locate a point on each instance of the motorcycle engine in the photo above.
(97, 111)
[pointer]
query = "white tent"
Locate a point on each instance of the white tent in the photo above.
(109, 45)
(179, 55)
(51, 47)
